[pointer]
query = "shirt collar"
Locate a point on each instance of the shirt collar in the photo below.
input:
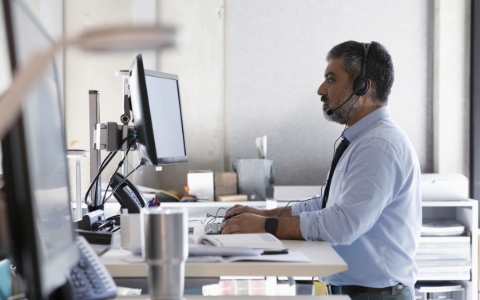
(353, 132)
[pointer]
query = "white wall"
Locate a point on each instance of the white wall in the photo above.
(87, 71)
(249, 68)
(197, 59)
(452, 87)
(276, 61)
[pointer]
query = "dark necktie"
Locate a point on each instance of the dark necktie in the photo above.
(338, 153)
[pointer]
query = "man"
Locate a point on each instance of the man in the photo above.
(369, 210)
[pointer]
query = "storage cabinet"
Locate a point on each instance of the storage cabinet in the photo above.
(466, 213)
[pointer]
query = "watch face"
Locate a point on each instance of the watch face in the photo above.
(271, 224)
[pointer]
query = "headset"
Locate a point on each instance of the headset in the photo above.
(361, 84)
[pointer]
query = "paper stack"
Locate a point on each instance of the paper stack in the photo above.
(444, 258)
(433, 290)
(441, 227)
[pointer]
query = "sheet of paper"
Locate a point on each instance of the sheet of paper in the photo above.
(253, 240)
(201, 250)
(290, 257)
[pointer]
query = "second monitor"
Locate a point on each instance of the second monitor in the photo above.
(157, 115)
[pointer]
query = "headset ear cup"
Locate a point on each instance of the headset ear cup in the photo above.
(358, 83)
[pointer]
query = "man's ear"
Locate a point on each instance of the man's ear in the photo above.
(370, 88)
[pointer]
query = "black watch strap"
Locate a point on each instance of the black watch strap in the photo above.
(271, 225)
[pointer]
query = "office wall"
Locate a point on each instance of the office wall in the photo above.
(86, 71)
(451, 94)
(275, 61)
(197, 59)
(252, 68)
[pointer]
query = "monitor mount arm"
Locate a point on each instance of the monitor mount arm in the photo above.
(107, 136)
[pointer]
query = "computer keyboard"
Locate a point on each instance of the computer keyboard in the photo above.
(213, 228)
(89, 278)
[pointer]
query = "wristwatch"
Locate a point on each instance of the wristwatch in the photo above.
(271, 225)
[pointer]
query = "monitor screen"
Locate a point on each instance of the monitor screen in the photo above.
(157, 115)
(35, 167)
(164, 101)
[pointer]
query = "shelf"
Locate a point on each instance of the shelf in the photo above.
(465, 212)
(461, 203)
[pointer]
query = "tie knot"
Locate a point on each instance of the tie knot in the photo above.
(344, 144)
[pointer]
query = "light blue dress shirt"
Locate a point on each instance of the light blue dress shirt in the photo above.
(373, 215)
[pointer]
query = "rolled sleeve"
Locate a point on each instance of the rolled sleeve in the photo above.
(307, 220)
(312, 204)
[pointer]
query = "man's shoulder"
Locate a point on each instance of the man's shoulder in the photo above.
(388, 131)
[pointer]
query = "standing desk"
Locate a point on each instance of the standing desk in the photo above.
(324, 260)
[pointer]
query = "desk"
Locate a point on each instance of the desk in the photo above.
(324, 262)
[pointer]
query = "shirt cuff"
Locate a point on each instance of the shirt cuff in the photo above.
(308, 222)
(296, 209)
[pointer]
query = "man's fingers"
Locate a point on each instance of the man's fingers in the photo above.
(235, 210)
(231, 229)
(229, 222)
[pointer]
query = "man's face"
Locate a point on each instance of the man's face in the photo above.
(335, 90)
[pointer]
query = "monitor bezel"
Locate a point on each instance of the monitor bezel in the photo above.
(145, 130)
(176, 159)
(42, 277)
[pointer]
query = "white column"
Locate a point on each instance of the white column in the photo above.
(51, 15)
(451, 86)
(144, 13)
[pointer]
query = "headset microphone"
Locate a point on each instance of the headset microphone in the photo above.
(331, 111)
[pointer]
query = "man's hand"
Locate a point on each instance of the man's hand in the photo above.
(241, 209)
(244, 223)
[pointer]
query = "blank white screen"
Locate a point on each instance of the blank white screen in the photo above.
(166, 116)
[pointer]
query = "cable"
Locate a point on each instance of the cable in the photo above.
(213, 218)
(118, 167)
(335, 144)
(289, 203)
(104, 164)
(216, 215)
(125, 179)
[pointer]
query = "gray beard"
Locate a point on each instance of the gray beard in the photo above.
(344, 113)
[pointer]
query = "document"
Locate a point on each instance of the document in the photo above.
(290, 257)
(252, 240)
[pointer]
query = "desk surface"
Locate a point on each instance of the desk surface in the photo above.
(324, 262)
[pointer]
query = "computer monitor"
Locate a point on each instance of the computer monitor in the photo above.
(157, 115)
(35, 168)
